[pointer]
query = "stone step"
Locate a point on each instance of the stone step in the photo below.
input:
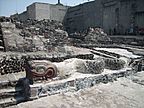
(10, 92)
(1, 43)
(103, 54)
(11, 96)
(1, 38)
(1, 48)
(5, 102)
(107, 53)
(10, 80)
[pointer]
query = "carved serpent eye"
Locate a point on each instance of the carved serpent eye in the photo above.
(50, 73)
(40, 69)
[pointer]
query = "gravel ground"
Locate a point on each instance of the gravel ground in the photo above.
(123, 93)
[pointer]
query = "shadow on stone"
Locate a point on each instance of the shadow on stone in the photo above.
(22, 89)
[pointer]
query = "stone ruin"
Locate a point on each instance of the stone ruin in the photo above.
(75, 72)
(33, 35)
(47, 41)
(90, 36)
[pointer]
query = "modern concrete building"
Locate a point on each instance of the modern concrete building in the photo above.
(41, 11)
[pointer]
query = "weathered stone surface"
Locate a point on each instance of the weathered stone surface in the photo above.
(114, 64)
(71, 66)
(89, 66)
(7, 25)
(90, 36)
(33, 35)
(9, 65)
(96, 35)
(11, 37)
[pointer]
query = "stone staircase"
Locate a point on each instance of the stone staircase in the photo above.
(10, 96)
(2, 47)
(11, 89)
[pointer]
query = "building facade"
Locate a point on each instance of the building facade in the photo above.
(83, 16)
(40, 11)
(114, 16)
(123, 16)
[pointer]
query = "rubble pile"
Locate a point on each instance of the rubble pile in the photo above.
(32, 35)
(90, 36)
(6, 19)
(49, 32)
(11, 65)
(96, 35)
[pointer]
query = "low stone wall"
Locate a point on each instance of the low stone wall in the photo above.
(11, 65)
(40, 90)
